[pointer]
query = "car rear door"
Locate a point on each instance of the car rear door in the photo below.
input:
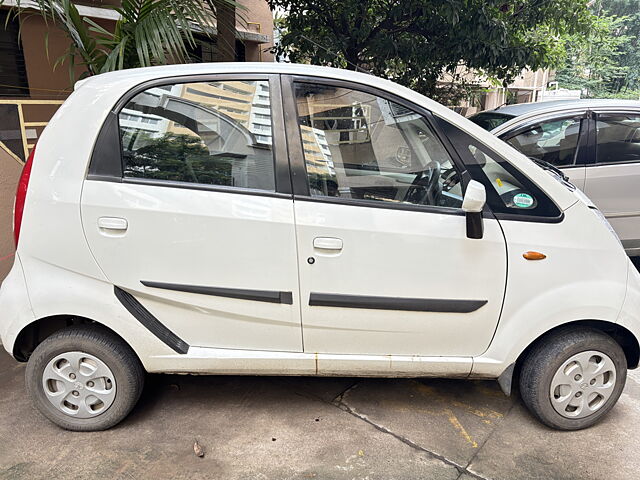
(385, 264)
(613, 178)
(187, 208)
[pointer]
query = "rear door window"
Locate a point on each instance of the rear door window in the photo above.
(617, 138)
(211, 133)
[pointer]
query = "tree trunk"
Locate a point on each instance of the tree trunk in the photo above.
(352, 57)
(226, 19)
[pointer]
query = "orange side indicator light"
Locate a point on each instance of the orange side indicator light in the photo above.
(534, 255)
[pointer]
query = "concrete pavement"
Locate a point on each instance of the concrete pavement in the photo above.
(316, 428)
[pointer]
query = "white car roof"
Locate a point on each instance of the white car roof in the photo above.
(136, 76)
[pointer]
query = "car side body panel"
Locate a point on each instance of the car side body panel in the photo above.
(583, 277)
(58, 270)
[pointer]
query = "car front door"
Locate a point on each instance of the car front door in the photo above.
(192, 215)
(613, 179)
(385, 265)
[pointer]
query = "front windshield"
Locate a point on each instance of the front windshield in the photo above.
(490, 119)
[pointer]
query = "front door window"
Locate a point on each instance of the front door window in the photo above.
(554, 141)
(363, 147)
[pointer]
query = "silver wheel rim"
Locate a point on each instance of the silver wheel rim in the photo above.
(583, 384)
(79, 384)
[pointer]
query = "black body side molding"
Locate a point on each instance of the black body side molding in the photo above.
(152, 324)
(394, 303)
(271, 296)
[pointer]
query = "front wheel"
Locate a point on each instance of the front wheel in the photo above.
(572, 378)
(84, 378)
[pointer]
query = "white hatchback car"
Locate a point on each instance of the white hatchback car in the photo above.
(293, 220)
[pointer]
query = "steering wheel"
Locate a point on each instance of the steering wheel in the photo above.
(425, 188)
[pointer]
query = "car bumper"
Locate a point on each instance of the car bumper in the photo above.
(14, 305)
(629, 316)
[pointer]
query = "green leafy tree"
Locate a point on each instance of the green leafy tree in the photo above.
(415, 41)
(628, 54)
(606, 62)
(148, 32)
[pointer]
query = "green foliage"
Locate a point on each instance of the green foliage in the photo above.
(629, 50)
(606, 62)
(592, 61)
(415, 41)
(148, 32)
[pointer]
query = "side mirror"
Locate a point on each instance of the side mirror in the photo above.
(474, 199)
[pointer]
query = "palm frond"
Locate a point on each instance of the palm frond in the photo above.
(148, 32)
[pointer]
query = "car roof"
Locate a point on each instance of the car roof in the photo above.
(95, 99)
(215, 68)
(125, 79)
(559, 105)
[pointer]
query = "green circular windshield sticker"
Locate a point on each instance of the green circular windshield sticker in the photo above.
(523, 200)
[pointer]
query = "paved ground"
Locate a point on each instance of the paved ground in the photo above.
(314, 428)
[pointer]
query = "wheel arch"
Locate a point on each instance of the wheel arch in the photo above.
(37, 331)
(624, 337)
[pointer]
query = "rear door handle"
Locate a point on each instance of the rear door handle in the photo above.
(112, 223)
(327, 243)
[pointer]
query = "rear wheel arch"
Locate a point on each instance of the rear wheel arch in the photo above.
(37, 331)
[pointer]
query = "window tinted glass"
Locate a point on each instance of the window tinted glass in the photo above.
(490, 120)
(508, 190)
(359, 146)
(618, 138)
(554, 141)
(214, 133)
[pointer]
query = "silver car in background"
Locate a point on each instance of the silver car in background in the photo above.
(595, 143)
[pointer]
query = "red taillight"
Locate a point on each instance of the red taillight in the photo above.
(21, 195)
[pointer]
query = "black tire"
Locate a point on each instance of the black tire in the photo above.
(548, 355)
(108, 348)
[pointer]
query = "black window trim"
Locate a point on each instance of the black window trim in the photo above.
(595, 116)
(203, 186)
(106, 166)
(581, 157)
(299, 178)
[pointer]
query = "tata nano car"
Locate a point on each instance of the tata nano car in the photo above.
(596, 144)
(283, 219)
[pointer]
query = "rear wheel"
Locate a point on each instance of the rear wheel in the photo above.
(84, 378)
(572, 378)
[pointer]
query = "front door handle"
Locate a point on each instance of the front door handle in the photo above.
(112, 223)
(327, 243)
